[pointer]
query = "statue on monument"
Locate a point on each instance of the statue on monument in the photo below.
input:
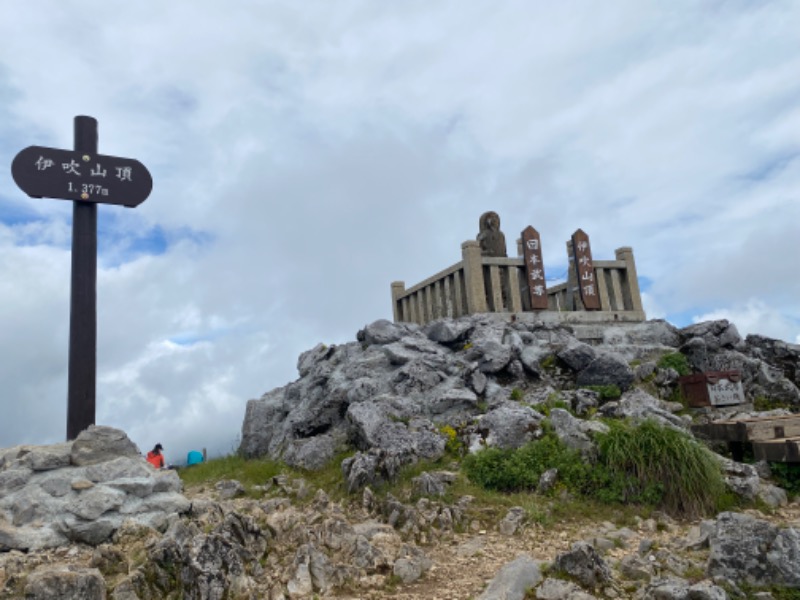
(491, 239)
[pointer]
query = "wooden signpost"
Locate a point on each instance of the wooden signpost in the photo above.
(534, 268)
(582, 253)
(89, 179)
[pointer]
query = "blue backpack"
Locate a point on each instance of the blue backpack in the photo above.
(194, 458)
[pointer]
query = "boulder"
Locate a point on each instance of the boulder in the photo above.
(513, 580)
(746, 549)
(608, 368)
(98, 444)
(508, 426)
(584, 565)
(86, 499)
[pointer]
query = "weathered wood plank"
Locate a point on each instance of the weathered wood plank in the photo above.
(782, 450)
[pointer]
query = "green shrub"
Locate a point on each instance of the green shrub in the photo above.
(516, 394)
(787, 475)
(520, 470)
(657, 459)
(676, 361)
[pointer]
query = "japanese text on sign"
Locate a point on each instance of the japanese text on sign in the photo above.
(582, 254)
(72, 168)
(725, 392)
(72, 175)
(534, 268)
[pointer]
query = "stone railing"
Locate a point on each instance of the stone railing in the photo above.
(479, 284)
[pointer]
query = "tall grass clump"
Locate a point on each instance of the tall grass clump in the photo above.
(660, 458)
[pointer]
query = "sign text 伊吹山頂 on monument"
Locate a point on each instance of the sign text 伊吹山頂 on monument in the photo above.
(582, 254)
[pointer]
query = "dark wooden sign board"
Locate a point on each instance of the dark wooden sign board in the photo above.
(582, 254)
(534, 268)
(75, 175)
(87, 178)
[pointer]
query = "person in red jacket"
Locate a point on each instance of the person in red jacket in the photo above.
(156, 458)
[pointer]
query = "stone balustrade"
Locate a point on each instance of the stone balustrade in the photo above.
(479, 284)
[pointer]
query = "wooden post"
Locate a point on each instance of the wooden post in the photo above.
(82, 370)
(587, 287)
(87, 178)
(534, 268)
(473, 277)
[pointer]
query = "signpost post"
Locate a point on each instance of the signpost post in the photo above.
(584, 270)
(89, 179)
(534, 268)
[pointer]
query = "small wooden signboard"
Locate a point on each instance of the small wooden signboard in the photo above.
(534, 268)
(582, 254)
(713, 388)
(73, 175)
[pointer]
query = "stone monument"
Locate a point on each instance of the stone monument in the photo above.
(491, 239)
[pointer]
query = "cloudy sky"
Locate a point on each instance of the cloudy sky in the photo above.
(307, 154)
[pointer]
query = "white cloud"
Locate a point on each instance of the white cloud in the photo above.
(305, 156)
(756, 317)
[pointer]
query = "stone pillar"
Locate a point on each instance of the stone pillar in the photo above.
(519, 246)
(398, 289)
(632, 279)
(473, 277)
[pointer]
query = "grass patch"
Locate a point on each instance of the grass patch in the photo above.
(247, 472)
(252, 472)
(606, 392)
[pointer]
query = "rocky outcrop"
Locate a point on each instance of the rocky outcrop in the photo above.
(391, 394)
(91, 518)
(81, 491)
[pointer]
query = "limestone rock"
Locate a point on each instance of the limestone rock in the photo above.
(607, 369)
(85, 499)
(99, 443)
(558, 589)
(743, 548)
(65, 583)
(514, 580)
(583, 564)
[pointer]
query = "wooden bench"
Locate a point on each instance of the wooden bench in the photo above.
(775, 439)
